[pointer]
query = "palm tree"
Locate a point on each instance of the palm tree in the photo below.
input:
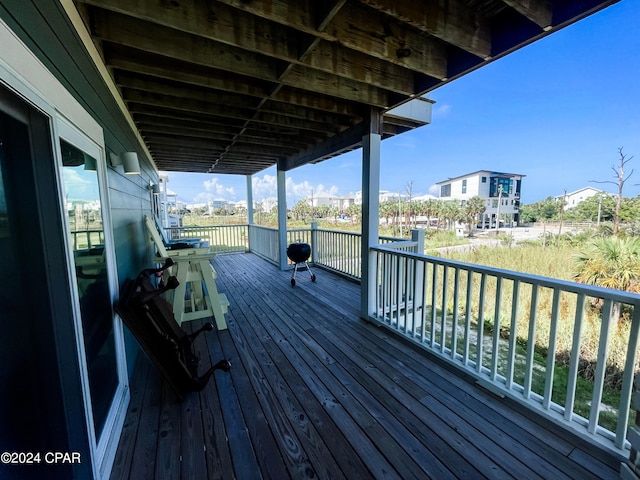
(450, 212)
(611, 262)
(474, 207)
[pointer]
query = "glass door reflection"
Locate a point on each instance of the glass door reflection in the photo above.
(84, 212)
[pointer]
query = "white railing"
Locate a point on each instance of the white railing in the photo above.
(87, 239)
(338, 251)
(300, 235)
(221, 238)
(264, 242)
(525, 336)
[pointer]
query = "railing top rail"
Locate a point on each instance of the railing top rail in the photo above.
(398, 243)
(391, 239)
(263, 227)
(193, 227)
(574, 287)
(341, 232)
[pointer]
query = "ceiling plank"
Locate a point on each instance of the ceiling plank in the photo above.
(153, 38)
(129, 60)
(359, 28)
(205, 145)
(452, 21)
(195, 106)
(228, 83)
(221, 23)
(347, 140)
(171, 88)
(188, 131)
(538, 11)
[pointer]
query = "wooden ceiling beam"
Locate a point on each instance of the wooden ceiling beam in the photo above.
(184, 132)
(198, 107)
(223, 24)
(341, 87)
(538, 11)
(173, 89)
(197, 126)
(153, 38)
(247, 137)
(345, 62)
(179, 116)
(167, 102)
(359, 28)
(127, 59)
(453, 21)
(205, 145)
(228, 83)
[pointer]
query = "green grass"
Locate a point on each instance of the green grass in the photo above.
(555, 262)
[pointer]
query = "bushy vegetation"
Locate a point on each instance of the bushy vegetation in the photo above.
(575, 258)
(550, 209)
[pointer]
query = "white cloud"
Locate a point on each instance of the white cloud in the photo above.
(80, 184)
(442, 110)
(267, 186)
(214, 190)
(264, 187)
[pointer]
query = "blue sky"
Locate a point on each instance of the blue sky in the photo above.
(556, 111)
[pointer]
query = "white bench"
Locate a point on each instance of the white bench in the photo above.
(192, 267)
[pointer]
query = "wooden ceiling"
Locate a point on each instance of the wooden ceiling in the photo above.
(235, 86)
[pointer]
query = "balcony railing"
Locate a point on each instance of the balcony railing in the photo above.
(221, 238)
(528, 337)
(521, 335)
(87, 239)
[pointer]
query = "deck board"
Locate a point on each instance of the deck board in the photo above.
(315, 392)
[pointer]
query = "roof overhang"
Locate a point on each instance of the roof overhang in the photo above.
(235, 86)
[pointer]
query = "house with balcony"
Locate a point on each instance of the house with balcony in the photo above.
(393, 364)
(573, 199)
(501, 192)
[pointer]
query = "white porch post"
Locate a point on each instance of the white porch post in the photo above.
(249, 211)
(370, 211)
(249, 200)
(282, 217)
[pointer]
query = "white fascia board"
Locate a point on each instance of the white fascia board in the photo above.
(417, 110)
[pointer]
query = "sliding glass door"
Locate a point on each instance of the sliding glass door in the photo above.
(62, 362)
(87, 218)
(83, 212)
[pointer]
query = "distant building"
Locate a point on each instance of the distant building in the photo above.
(573, 199)
(384, 196)
(501, 192)
(424, 198)
(339, 202)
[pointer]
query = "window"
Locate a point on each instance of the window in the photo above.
(445, 190)
(498, 185)
(484, 180)
(464, 186)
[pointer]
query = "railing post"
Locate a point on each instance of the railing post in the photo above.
(417, 235)
(314, 241)
(282, 218)
(370, 212)
(250, 232)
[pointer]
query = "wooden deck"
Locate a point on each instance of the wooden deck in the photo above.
(315, 392)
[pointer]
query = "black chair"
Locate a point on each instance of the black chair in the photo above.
(150, 318)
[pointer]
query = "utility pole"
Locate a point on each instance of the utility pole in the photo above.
(312, 215)
(400, 212)
(499, 202)
(564, 201)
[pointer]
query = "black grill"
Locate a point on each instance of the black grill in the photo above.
(299, 252)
